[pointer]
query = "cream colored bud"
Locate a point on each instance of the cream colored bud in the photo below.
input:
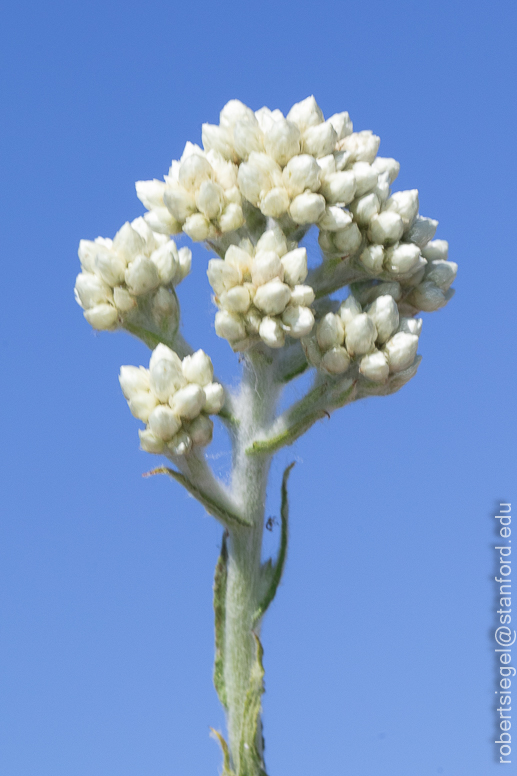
(402, 258)
(229, 326)
(91, 290)
(347, 241)
(87, 252)
(306, 113)
(405, 203)
(271, 332)
(302, 296)
(365, 208)
(373, 258)
(163, 423)
(185, 261)
(363, 146)
(197, 227)
(247, 137)
(231, 218)
(300, 320)
(194, 171)
(103, 317)
(128, 243)
(307, 208)
(198, 368)
(223, 276)
(181, 444)
(282, 141)
(201, 430)
(342, 124)
(236, 300)
(319, 140)
(436, 250)
(339, 187)
(336, 360)
(421, 231)
(188, 401)
(349, 309)
(273, 240)
(273, 297)
(374, 366)
(334, 219)
(295, 266)
(149, 442)
(253, 182)
(361, 334)
(385, 315)
(240, 259)
(302, 172)
(110, 266)
(330, 331)
(124, 301)
(218, 139)
(166, 260)
(179, 202)
(365, 178)
(275, 203)
(165, 308)
(427, 297)
(386, 228)
(142, 276)
(235, 111)
(166, 374)
(214, 398)
(442, 273)
(401, 351)
(265, 267)
(391, 166)
(382, 189)
(411, 325)
(210, 199)
(162, 222)
(133, 380)
(142, 404)
(150, 193)
(327, 165)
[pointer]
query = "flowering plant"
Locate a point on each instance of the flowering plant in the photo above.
(252, 193)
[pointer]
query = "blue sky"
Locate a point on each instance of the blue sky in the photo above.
(378, 651)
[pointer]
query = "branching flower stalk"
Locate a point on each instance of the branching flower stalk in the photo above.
(251, 194)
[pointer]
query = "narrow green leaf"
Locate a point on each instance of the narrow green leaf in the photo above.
(251, 761)
(220, 579)
(228, 518)
(278, 567)
(227, 771)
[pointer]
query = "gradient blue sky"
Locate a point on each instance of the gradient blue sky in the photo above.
(378, 648)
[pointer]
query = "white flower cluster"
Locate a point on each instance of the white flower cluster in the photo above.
(174, 398)
(135, 263)
(375, 335)
(259, 292)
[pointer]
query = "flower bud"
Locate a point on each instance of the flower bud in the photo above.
(360, 335)
(91, 290)
(327, 165)
(334, 219)
(265, 267)
(235, 111)
(386, 228)
(339, 187)
(349, 309)
(368, 291)
(405, 203)
(166, 261)
(236, 300)
(330, 331)
(124, 301)
(87, 252)
(271, 332)
(218, 139)
(149, 442)
(231, 218)
(247, 137)
(427, 297)
(319, 140)
(273, 240)
(128, 243)
(133, 379)
(185, 261)
(436, 250)
(402, 258)
(194, 171)
(365, 178)
(342, 124)
(181, 444)
(214, 398)
(422, 230)
(198, 368)
(382, 189)
(161, 221)
(166, 374)
(307, 208)
(229, 326)
(210, 199)
(442, 273)
(253, 182)
(110, 266)
(365, 208)
(306, 113)
(179, 202)
(150, 193)
(363, 146)
(201, 430)
(374, 366)
(282, 141)
(401, 351)
(273, 297)
(373, 258)
(411, 325)
(302, 296)
(165, 308)
(188, 401)
(142, 404)
(222, 276)
(385, 315)
(142, 276)
(197, 227)
(275, 203)
(300, 320)
(163, 423)
(382, 165)
(103, 317)
(336, 360)
(302, 172)
(348, 240)
(295, 266)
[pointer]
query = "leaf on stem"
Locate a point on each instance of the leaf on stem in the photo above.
(220, 578)
(251, 762)
(227, 771)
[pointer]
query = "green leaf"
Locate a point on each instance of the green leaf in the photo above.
(251, 761)
(220, 579)
(227, 771)
(229, 519)
(278, 567)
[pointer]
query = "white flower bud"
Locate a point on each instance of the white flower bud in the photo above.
(336, 360)
(161, 221)
(253, 319)
(312, 351)
(334, 219)
(342, 124)
(275, 203)
(319, 140)
(382, 188)
(265, 267)
(214, 398)
(330, 331)
(103, 317)
(247, 137)
(363, 146)
(427, 297)
(273, 297)
(341, 160)
(422, 230)
(240, 259)
(166, 260)
(365, 178)
(185, 261)
(87, 252)
(133, 379)
(373, 258)
(360, 335)
(405, 203)
(233, 195)
(300, 320)
(198, 368)
(163, 423)
(233, 111)
(385, 315)
(295, 266)
(253, 182)
(142, 404)
(442, 273)
(225, 172)
(231, 218)
(267, 117)
(150, 193)
(306, 113)
(401, 351)
(229, 326)
(218, 139)
(194, 171)
(436, 250)
(402, 258)
(149, 442)
(188, 401)
(348, 240)
(382, 165)
(210, 199)
(91, 290)
(272, 333)
(349, 309)
(301, 172)
(201, 430)
(181, 444)
(339, 187)
(222, 276)
(236, 300)
(165, 308)
(273, 240)
(110, 266)
(411, 325)
(179, 202)
(327, 165)
(124, 301)
(302, 296)
(197, 227)
(128, 243)
(386, 228)
(365, 208)
(282, 141)
(307, 208)
(374, 366)
(166, 374)
(142, 276)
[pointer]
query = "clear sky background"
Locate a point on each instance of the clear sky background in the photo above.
(378, 649)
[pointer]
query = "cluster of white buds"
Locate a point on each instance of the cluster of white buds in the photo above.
(173, 398)
(117, 273)
(260, 293)
(376, 336)
(200, 196)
